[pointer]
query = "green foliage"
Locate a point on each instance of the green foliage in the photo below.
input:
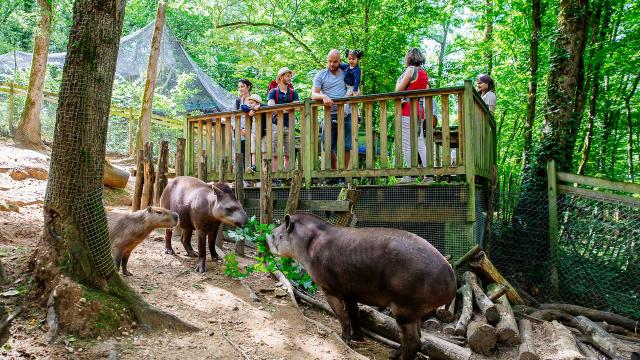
(256, 233)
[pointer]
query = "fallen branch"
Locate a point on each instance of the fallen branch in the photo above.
(562, 340)
(232, 343)
(287, 285)
(489, 271)
(601, 339)
(526, 351)
(485, 305)
(495, 294)
(467, 257)
(481, 336)
(467, 309)
(596, 315)
(506, 328)
(4, 324)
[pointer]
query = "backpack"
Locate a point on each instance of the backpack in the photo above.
(273, 84)
(276, 97)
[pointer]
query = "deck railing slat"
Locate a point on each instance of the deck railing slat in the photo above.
(383, 134)
(369, 135)
(446, 152)
(340, 141)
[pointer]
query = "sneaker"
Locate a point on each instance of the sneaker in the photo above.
(247, 184)
(406, 180)
(276, 183)
(251, 169)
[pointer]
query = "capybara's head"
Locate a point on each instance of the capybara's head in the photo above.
(280, 242)
(226, 207)
(157, 217)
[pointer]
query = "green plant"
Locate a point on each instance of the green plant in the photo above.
(256, 233)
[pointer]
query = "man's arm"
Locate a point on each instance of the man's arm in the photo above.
(316, 94)
(271, 97)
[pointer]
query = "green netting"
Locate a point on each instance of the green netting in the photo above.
(598, 257)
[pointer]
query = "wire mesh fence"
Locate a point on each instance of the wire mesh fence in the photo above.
(597, 258)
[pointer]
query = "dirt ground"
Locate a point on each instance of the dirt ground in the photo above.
(266, 327)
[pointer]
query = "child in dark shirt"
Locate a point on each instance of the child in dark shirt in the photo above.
(353, 73)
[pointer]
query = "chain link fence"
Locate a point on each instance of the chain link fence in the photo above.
(598, 253)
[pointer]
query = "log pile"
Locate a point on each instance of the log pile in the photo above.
(488, 314)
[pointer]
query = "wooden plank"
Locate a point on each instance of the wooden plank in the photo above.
(292, 138)
(318, 205)
(309, 144)
(460, 153)
(217, 148)
(398, 132)
(383, 135)
(428, 140)
(355, 159)
(201, 136)
(280, 141)
(553, 226)
(469, 160)
(446, 150)
(190, 149)
(413, 132)
(317, 152)
(414, 214)
(599, 195)
(369, 135)
(340, 143)
(228, 148)
(237, 136)
(326, 157)
(209, 150)
(248, 120)
(420, 171)
(599, 182)
(266, 203)
(294, 193)
(179, 157)
(258, 145)
(239, 184)
(269, 138)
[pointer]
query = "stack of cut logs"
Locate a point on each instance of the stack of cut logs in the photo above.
(151, 182)
(479, 320)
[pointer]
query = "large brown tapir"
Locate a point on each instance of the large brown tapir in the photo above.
(203, 207)
(372, 266)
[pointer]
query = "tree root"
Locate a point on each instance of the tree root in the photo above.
(287, 285)
(244, 355)
(150, 317)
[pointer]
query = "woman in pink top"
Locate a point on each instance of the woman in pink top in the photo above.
(414, 77)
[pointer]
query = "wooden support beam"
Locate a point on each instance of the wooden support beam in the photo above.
(179, 158)
(149, 177)
(266, 204)
(316, 205)
(137, 192)
(162, 172)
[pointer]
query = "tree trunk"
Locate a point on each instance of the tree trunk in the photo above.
(443, 51)
(488, 35)
(73, 257)
(627, 106)
(27, 134)
(144, 122)
(536, 18)
(599, 32)
(114, 177)
(530, 220)
(162, 171)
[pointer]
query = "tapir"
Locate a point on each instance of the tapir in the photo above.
(373, 266)
(203, 207)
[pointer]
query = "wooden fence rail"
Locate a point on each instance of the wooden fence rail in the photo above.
(462, 142)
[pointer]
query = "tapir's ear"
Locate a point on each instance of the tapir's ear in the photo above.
(148, 208)
(288, 223)
(216, 189)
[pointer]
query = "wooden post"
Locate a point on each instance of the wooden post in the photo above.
(131, 148)
(266, 205)
(294, 192)
(163, 169)
(144, 123)
(553, 225)
(179, 159)
(308, 151)
(149, 177)
(222, 172)
(202, 166)
(137, 192)
(239, 187)
(190, 149)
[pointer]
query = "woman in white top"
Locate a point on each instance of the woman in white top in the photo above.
(486, 88)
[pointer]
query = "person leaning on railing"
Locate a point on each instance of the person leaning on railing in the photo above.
(414, 77)
(244, 92)
(486, 87)
(282, 94)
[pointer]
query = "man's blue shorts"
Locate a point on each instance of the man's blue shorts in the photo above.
(334, 132)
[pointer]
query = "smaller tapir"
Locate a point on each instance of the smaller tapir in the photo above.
(373, 266)
(202, 207)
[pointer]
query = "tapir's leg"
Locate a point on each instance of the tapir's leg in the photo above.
(125, 260)
(211, 237)
(409, 332)
(339, 308)
(168, 249)
(202, 250)
(186, 242)
(354, 316)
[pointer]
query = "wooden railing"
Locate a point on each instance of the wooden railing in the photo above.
(469, 130)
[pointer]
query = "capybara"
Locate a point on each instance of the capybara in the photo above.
(200, 206)
(128, 230)
(373, 266)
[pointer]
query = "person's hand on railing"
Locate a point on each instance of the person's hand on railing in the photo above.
(252, 113)
(327, 100)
